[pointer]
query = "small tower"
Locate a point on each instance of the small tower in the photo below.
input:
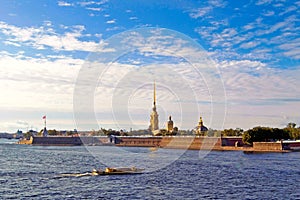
(170, 125)
(200, 124)
(154, 116)
(201, 129)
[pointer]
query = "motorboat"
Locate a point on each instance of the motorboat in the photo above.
(120, 170)
(107, 171)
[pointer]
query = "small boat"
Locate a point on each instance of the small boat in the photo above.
(121, 170)
(107, 171)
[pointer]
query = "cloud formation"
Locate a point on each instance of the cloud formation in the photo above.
(45, 37)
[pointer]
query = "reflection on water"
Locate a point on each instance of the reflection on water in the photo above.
(31, 172)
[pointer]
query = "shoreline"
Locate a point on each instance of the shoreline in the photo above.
(168, 142)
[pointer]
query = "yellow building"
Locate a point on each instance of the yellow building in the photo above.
(200, 128)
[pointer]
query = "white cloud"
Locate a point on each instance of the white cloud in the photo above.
(133, 18)
(269, 13)
(42, 37)
(94, 9)
(288, 10)
(64, 4)
(249, 26)
(292, 48)
(250, 44)
(229, 32)
(11, 43)
(262, 2)
(217, 3)
(258, 95)
(88, 3)
(206, 8)
(113, 21)
(200, 12)
(34, 87)
(252, 80)
(115, 28)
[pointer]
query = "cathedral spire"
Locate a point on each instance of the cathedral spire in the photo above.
(154, 95)
(154, 115)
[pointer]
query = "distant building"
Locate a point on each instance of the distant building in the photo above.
(45, 132)
(154, 116)
(170, 124)
(200, 128)
(19, 132)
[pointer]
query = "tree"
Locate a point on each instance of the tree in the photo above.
(264, 134)
(292, 131)
(52, 132)
(291, 125)
(232, 132)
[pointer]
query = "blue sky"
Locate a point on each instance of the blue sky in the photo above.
(255, 45)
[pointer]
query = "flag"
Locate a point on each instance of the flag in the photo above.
(44, 117)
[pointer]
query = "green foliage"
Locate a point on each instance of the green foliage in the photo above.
(113, 132)
(139, 132)
(28, 134)
(294, 133)
(291, 125)
(232, 132)
(264, 134)
(52, 132)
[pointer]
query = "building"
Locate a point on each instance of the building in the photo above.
(170, 125)
(200, 128)
(154, 115)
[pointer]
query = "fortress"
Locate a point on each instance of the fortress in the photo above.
(198, 141)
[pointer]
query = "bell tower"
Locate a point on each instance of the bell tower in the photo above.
(154, 116)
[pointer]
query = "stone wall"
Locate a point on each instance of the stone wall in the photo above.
(139, 141)
(267, 146)
(192, 143)
(231, 141)
(68, 141)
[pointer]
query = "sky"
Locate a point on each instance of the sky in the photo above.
(91, 64)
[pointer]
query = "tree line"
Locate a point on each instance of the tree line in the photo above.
(267, 134)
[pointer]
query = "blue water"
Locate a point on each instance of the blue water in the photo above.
(33, 172)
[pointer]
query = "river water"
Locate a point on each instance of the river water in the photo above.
(34, 172)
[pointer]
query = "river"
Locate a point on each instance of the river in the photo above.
(33, 172)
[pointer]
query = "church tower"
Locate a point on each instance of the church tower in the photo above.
(201, 129)
(154, 116)
(170, 124)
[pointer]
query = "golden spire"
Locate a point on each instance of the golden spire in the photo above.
(154, 95)
(200, 122)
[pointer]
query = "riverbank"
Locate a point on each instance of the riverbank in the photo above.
(170, 142)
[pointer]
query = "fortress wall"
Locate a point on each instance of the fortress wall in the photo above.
(230, 141)
(60, 141)
(172, 142)
(139, 141)
(193, 143)
(94, 140)
(267, 146)
(69, 141)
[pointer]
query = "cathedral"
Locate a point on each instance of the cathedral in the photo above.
(154, 116)
(200, 128)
